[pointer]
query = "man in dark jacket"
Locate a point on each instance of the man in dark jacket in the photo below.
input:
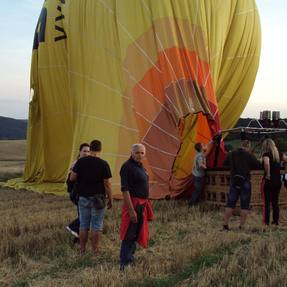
(240, 161)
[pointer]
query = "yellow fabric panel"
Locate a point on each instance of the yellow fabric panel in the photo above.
(49, 131)
(126, 71)
(240, 62)
(34, 158)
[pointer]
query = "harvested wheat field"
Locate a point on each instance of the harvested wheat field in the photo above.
(12, 150)
(187, 247)
(12, 158)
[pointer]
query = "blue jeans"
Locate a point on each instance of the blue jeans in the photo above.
(90, 217)
(198, 182)
(128, 249)
(244, 193)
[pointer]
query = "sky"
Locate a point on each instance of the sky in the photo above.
(18, 20)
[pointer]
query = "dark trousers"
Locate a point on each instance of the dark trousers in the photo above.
(128, 246)
(128, 249)
(198, 183)
(271, 195)
(75, 224)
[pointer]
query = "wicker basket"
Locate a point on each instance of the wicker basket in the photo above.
(217, 188)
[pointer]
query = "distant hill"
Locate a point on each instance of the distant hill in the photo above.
(12, 129)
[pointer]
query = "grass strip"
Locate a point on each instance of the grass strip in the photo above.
(206, 260)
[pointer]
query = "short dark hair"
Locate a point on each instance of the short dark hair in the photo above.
(83, 145)
(198, 147)
(95, 145)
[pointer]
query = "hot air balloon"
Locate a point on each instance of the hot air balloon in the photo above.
(166, 73)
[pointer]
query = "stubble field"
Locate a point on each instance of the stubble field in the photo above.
(187, 247)
(12, 158)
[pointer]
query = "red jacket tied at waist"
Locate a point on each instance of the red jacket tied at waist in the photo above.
(143, 235)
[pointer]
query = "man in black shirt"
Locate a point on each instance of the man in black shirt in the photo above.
(240, 161)
(92, 175)
(134, 178)
(136, 207)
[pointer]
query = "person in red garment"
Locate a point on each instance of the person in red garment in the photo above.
(136, 210)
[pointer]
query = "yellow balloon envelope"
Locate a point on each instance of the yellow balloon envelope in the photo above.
(166, 73)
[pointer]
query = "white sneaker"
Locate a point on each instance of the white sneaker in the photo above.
(72, 232)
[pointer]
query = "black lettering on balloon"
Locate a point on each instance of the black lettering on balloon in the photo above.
(57, 27)
(62, 37)
(39, 35)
